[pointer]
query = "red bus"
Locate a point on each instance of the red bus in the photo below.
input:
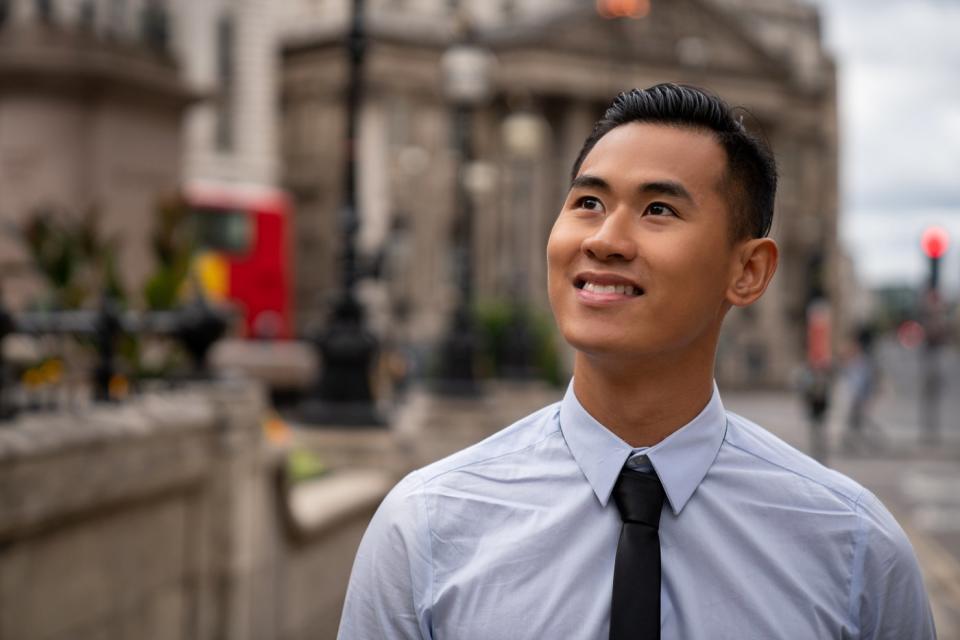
(244, 255)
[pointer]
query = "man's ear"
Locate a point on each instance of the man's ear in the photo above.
(754, 263)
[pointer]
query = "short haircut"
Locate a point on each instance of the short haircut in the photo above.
(751, 175)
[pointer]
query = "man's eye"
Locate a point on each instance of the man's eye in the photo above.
(590, 204)
(660, 209)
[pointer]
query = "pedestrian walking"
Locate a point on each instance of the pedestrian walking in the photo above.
(816, 378)
(863, 376)
(815, 387)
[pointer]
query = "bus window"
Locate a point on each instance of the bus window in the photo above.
(227, 230)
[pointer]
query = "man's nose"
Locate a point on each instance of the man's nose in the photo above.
(612, 240)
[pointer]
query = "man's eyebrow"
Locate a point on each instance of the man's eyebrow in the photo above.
(587, 181)
(667, 188)
(662, 187)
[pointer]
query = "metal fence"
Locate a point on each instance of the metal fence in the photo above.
(88, 344)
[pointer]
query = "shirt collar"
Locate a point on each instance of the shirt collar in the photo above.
(681, 460)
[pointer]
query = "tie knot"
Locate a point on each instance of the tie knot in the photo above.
(639, 497)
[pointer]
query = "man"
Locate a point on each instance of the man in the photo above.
(637, 507)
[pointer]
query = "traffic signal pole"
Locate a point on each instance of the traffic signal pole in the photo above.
(934, 273)
(934, 244)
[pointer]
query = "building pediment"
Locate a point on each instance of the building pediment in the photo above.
(676, 33)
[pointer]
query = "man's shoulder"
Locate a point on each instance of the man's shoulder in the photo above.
(787, 463)
(513, 440)
(821, 492)
(406, 510)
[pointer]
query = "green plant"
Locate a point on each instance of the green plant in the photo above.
(302, 464)
(547, 356)
(492, 320)
(501, 324)
(78, 262)
(173, 246)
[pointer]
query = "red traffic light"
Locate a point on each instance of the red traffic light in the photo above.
(934, 241)
(623, 8)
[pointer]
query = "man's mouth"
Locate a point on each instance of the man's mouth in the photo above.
(603, 286)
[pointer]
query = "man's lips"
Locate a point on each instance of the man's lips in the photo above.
(605, 287)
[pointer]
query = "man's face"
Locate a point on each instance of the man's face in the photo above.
(640, 259)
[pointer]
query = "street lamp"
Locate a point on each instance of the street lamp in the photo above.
(343, 396)
(524, 134)
(466, 69)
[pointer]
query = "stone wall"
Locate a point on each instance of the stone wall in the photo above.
(128, 521)
(159, 519)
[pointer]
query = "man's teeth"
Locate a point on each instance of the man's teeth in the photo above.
(622, 289)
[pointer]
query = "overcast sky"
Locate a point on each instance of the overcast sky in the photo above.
(899, 70)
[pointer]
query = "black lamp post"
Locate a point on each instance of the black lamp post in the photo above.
(466, 75)
(343, 395)
(523, 138)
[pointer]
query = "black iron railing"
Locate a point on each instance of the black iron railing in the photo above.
(194, 327)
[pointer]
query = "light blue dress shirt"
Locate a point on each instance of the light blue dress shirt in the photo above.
(515, 538)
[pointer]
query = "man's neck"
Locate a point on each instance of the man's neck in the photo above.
(642, 403)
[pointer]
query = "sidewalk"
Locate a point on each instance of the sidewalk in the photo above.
(917, 483)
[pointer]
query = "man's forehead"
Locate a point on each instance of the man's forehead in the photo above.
(681, 154)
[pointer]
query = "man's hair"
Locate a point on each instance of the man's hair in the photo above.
(751, 175)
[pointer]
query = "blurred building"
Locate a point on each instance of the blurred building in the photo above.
(90, 109)
(227, 50)
(114, 104)
(94, 99)
(558, 65)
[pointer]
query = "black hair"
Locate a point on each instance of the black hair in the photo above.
(751, 170)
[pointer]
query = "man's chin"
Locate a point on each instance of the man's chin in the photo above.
(605, 347)
(636, 346)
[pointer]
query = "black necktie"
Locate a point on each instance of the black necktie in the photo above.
(635, 610)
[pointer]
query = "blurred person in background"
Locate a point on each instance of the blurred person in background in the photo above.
(638, 507)
(815, 384)
(863, 376)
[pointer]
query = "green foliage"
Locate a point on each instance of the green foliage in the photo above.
(492, 320)
(173, 245)
(303, 464)
(500, 323)
(80, 265)
(547, 356)
(77, 261)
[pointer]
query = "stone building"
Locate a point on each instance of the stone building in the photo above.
(227, 52)
(90, 110)
(557, 66)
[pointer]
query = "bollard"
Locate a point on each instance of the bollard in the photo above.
(199, 326)
(7, 410)
(107, 329)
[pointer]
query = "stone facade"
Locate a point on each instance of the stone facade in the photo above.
(129, 521)
(160, 519)
(563, 67)
(227, 52)
(89, 117)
